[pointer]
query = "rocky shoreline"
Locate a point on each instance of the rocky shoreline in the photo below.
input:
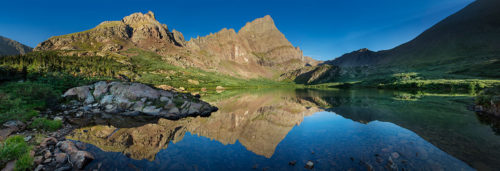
(488, 102)
(100, 101)
(132, 99)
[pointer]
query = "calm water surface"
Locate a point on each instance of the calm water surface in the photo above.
(335, 129)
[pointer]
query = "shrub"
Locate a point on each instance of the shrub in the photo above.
(14, 148)
(487, 96)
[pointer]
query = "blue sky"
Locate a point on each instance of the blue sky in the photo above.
(322, 29)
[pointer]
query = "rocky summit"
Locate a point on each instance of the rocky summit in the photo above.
(136, 30)
(258, 46)
(132, 99)
(258, 49)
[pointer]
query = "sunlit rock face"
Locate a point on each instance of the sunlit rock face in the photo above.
(136, 30)
(259, 49)
(259, 122)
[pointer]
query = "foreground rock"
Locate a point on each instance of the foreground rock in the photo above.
(11, 127)
(133, 99)
(60, 155)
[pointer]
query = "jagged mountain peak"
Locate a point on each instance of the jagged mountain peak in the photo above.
(263, 24)
(135, 30)
(258, 49)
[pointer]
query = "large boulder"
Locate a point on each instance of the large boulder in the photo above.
(130, 98)
(81, 93)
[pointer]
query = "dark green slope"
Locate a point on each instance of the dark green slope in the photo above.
(12, 47)
(467, 43)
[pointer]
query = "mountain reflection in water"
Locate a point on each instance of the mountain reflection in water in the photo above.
(268, 128)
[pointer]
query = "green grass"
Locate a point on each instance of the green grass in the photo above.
(46, 124)
(23, 100)
(25, 162)
(414, 81)
(14, 148)
(153, 70)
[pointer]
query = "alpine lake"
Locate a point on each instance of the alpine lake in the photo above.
(284, 129)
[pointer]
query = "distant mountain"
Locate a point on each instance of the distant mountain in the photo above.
(259, 49)
(356, 58)
(12, 47)
(464, 45)
(469, 40)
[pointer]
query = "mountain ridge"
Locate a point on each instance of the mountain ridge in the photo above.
(257, 50)
(464, 45)
(12, 47)
(469, 32)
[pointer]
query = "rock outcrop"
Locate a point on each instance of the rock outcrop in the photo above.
(136, 30)
(12, 47)
(133, 99)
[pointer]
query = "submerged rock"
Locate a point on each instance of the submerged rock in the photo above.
(309, 165)
(136, 98)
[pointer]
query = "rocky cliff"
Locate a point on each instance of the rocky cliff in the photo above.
(259, 49)
(258, 46)
(12, 47)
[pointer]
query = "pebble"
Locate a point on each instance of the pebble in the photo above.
(47, 154)
(58, 118)
(395, 155)
(391, 164)
(39, 168)
(61, 157)
(38, 159)
(47, 160)
(368, 166)
(292, 163)
(27, 138)
(79, 114)
(309, 165)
